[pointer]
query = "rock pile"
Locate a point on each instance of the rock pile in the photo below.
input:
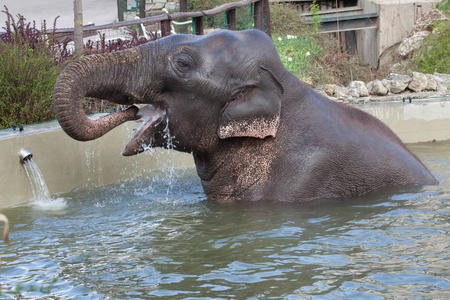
(394, 84)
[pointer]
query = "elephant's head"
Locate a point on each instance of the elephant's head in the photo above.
(203, 88)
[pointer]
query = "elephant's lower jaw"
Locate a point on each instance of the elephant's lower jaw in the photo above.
(152, 116)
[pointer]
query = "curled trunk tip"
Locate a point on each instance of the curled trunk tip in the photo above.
(103, 76)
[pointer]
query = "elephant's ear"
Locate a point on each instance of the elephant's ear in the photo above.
(254, 111)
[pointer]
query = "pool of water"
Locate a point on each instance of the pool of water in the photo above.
(157, 237)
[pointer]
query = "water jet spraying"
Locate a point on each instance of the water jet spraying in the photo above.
(39, 188)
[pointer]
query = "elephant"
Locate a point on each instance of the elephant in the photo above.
(255, 131)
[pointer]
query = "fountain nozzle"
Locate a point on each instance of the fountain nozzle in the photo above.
(24, 155)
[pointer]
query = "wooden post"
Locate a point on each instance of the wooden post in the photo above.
(142, 9)
(257, 15)
(141, 14)
(120, 9)
(198, 26)
(183, 8)
(78, 25)
(165, 28)
(266, 13)
(231, 19)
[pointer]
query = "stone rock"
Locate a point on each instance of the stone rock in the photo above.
(376, 87)
(419, 82)
(397, 68)
(427, 21)
(329, 89)
(353, 93)
(322, 92)
(369, 86)
(441, 87)
(412, 43)
(358, 89)
(432, 83)
(342, 93)
(396, 83)
(444, 78)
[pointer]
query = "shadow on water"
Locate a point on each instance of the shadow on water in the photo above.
(135, 240)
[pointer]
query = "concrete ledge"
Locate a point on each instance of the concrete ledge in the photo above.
(67, 164)
(420, 121)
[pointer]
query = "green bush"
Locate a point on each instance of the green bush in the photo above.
(297, 55)
(286, 20)
(435, 55)
(27, 77)
(30, 61)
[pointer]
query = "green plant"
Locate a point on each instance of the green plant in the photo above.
(285, 19)
(434, 56)
(27, 78)
(297, 55)
(31, 61)
(317, 61)
(444, 6)
(314, 9)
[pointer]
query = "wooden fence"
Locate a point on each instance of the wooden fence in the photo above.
(261, 18)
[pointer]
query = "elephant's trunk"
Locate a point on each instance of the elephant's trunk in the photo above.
(111, 77)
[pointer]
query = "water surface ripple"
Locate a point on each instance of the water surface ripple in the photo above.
(135, 240)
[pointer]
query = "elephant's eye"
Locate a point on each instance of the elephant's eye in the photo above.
(183, 63)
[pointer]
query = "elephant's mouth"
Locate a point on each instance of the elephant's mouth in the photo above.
(152, 116)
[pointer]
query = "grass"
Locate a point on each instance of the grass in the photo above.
(298, 55)
(319, 59)
(312, 57)
(444, 6)
(435, 56)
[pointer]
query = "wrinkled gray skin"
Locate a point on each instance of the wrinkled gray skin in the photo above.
(255, 131)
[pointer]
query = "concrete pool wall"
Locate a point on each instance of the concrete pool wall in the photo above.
(67, 164)
(420, 121)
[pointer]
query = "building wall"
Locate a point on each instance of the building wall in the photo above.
(367, 45)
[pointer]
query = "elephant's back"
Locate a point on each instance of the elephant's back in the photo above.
(336, 150)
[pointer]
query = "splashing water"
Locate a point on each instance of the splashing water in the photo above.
(41, 195)
(170, 171)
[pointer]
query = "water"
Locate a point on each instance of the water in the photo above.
(41, 195)
(132, 240)
(37, 182)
